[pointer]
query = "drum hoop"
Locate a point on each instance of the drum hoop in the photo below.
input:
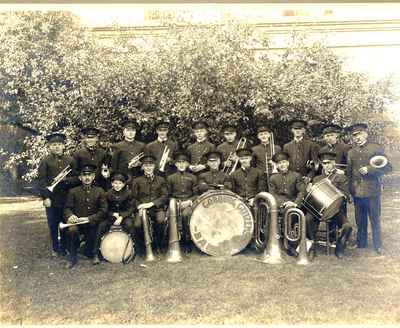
(129, 241)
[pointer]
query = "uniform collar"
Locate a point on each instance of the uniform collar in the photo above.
(299, 139)
(162, 140)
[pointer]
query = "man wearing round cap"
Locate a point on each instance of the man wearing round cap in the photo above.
(214, 179)
(127, 153)
(365, 185)
(85, 208)
(162, 149)
(331, 137)
(339, 220)
(198, 149)
(91, 153)
(151, 194)
(52, 193)
(303, 153)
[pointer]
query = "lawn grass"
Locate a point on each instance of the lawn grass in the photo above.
(37, 289)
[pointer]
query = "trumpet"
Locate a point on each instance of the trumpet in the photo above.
(135, 159)
(164, 158)
(60, 176)
(227, 169)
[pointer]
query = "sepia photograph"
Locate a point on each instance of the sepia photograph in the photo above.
(200, 163)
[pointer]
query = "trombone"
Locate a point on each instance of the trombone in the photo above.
(135, 159)
(164, 157)
(60, 176)
(227, 169)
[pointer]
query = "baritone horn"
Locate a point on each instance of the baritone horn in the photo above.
(174, 254)
(295, 231)
(241, 143)
(60, 176)
(378, 161)
(164, 157)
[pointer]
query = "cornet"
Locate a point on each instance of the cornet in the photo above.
(164, 158)
(60, 176)
(83, 220)
(135, 159)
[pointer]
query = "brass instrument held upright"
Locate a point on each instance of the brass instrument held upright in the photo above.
(268, 159)
(378, 161)
(164, 157)
(174, 254)
(147, 236)
(296, 232)
(60, 176)
(241, 144)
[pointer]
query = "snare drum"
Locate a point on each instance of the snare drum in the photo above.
(221, 223)
(323, 200)
(117, 246)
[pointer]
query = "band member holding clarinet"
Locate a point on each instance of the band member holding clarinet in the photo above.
(120, 210)
(127, 153)
(339, 220)
(56, 176)
(85, 208)
(162, 149)
(91, 153)
(331, 137)
(213, 179)
(151, 194)
(366, 164)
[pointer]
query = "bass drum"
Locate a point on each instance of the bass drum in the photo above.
(324, 199)
(221, 223)
(117, 246)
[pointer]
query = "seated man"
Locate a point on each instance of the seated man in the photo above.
(182, 186)
(214, 179)
(85, 207)
(340, 181)
(151, 193)
(121, 207)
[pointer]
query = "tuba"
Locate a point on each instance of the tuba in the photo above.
(174, 254)
(147, 236)
(378, 161)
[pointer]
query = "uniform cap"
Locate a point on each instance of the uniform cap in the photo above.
(56, 137)
(298, 124)
(228, 128)
(327, 155)
(88, 168)
(200, 125)
(181, 156)
(90, 131)
(131, 124)
(244, 152)
(148, 159)
(119, 176)
(263, 128)
(280, 157)
(162, 125)
(331, 128)
(357, 128)
(213, 155)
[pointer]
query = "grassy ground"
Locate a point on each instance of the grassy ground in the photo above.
(36, 289)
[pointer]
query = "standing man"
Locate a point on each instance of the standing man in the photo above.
(198, 149)
(331, 136)
(53, 200)
(365, 185)
(162, 147)
(303, 153)
(92, 154)
(127, 153)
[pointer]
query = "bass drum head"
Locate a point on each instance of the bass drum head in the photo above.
(333, 208)
(221, 224)
(117, 247)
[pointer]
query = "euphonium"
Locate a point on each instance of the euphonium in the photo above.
(378, 161)
(174, 254)
(147, 236)
(241, 143)
(296, 232)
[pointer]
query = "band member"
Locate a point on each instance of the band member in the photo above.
(120, 209)
(91, 153)
(162, 149)
(248, 181)
(127, 153)
(182, 185)
(340, 181)
(214, 179)
(365, 185)
(151, 193)
(50, 167)
(229, 146)
(264, 151)
(85, 203)
(331, 137)
(303, 153)
(198, 149)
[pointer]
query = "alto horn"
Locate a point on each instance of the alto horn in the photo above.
(378, 161)
(297, 233)
(147, 237)
(174, 254)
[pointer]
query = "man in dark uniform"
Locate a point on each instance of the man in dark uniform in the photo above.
(120, 209)
(50, 167)
(302, 152)
(91, 153)
(214, 179)
(365, 185)
(264, 151)
(182, 186)
(84, 203)
(340, 181)
(229, 146)
(331, 136)
(198, 149)
(247, 181)
(163, 145)
(151, 193)
(127, 153)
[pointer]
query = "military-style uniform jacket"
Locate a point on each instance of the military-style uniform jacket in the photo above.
(145, 190)
(287, 186)
(338, 179)
(156, 148)
(301, 152)
(340, 149)
(182, 185)
(86, 201)
(209, 180)
(49, 168)
(248, 183)
(365, 185)
(260, 151)
(197, 151)
(123, 152)
(121, 202)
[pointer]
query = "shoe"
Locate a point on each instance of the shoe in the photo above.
(379, 251)
(96, 260)
(62, 253)
(339, 255)
(54, 254)
(292, 252)
(72, 263)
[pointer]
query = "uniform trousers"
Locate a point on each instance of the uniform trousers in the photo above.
(54, 217)
(89, 231)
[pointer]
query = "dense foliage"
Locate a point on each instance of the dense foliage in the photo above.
(55, 75)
